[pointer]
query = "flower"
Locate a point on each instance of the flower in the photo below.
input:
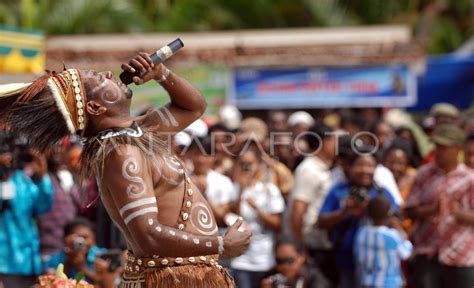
(60, 280)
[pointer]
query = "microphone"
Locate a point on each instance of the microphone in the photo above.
(157, 57)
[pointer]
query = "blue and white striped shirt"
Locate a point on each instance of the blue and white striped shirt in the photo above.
(377, 253)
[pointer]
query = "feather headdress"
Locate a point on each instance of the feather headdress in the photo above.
(46, 109)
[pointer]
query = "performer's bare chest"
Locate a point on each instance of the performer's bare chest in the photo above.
(179, 200)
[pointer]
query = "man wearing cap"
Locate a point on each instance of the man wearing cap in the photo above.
(441, 113)
(441, 204)
(444, 113)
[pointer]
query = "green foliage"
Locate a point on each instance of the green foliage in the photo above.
(453, 24)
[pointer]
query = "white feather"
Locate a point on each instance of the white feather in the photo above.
(61, 106)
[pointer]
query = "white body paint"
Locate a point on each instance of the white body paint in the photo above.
(140, 213)
(138, 203)
(137, 188)
(202, 220)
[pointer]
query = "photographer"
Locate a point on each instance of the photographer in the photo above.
(22, 199)
(292, 269)
(344, 208)
(80, 251)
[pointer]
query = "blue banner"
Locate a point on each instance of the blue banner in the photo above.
(375, 86)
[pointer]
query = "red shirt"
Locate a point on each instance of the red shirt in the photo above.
(429, 183)
(456, 244)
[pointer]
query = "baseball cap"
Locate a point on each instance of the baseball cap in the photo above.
(448, 135)
(253, 127)
(444, 109)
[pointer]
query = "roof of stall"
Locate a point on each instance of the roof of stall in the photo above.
(346, 46)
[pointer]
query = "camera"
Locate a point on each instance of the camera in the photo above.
(246, 167)
(279, 281)
(115, 257)
(79, 243)
(360, 194)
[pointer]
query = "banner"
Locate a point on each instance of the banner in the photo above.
(21, 51)
(374, 86)
(211, 81)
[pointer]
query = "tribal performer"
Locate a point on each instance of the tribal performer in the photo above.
(170, 230)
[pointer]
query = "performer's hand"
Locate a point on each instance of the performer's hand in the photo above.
(236, 242)
(145, 67)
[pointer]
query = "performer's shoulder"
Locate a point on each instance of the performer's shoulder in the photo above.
(122, 152)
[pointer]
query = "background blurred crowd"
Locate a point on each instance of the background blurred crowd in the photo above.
(334, 198)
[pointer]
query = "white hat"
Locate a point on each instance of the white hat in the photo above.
(197, 129)
(182, 139)
(301, 117)
(230, 116)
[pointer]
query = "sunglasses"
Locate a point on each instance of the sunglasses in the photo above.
(285, 260)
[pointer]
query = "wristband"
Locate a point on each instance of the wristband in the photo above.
(164, 76)
(220, 247)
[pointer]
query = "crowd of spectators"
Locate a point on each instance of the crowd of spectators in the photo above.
(335, 198)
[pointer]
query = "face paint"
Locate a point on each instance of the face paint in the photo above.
(130, 166)
(202, 220)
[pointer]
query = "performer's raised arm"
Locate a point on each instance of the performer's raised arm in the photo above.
(129, 183)
(187, 103)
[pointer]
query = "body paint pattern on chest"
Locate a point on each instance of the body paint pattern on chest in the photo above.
(130, 169)
(202, 219)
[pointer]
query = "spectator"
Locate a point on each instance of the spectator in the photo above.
(438, 235)
(352, 122)
(382, 175)
(282, 149)
(469, 151)
(277, 121)
(312, 183)
(299, 122)
(343, 210)
(292, 271)
(384, 134)
(80, 250)
(22, 200)
(109, 269)
(445, 113)
(223, 140)
(469, 125)
(216, 187)
(65, 205)
(254, 129)
(397, 159)
(378, 248)
(261, 205)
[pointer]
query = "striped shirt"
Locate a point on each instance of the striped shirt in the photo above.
(456, 244)
(377, 253)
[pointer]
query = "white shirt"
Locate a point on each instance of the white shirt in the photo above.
(219, 188)
(260, 254)
(312, 183)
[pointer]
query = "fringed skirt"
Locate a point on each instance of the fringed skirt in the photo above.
(198, 272)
